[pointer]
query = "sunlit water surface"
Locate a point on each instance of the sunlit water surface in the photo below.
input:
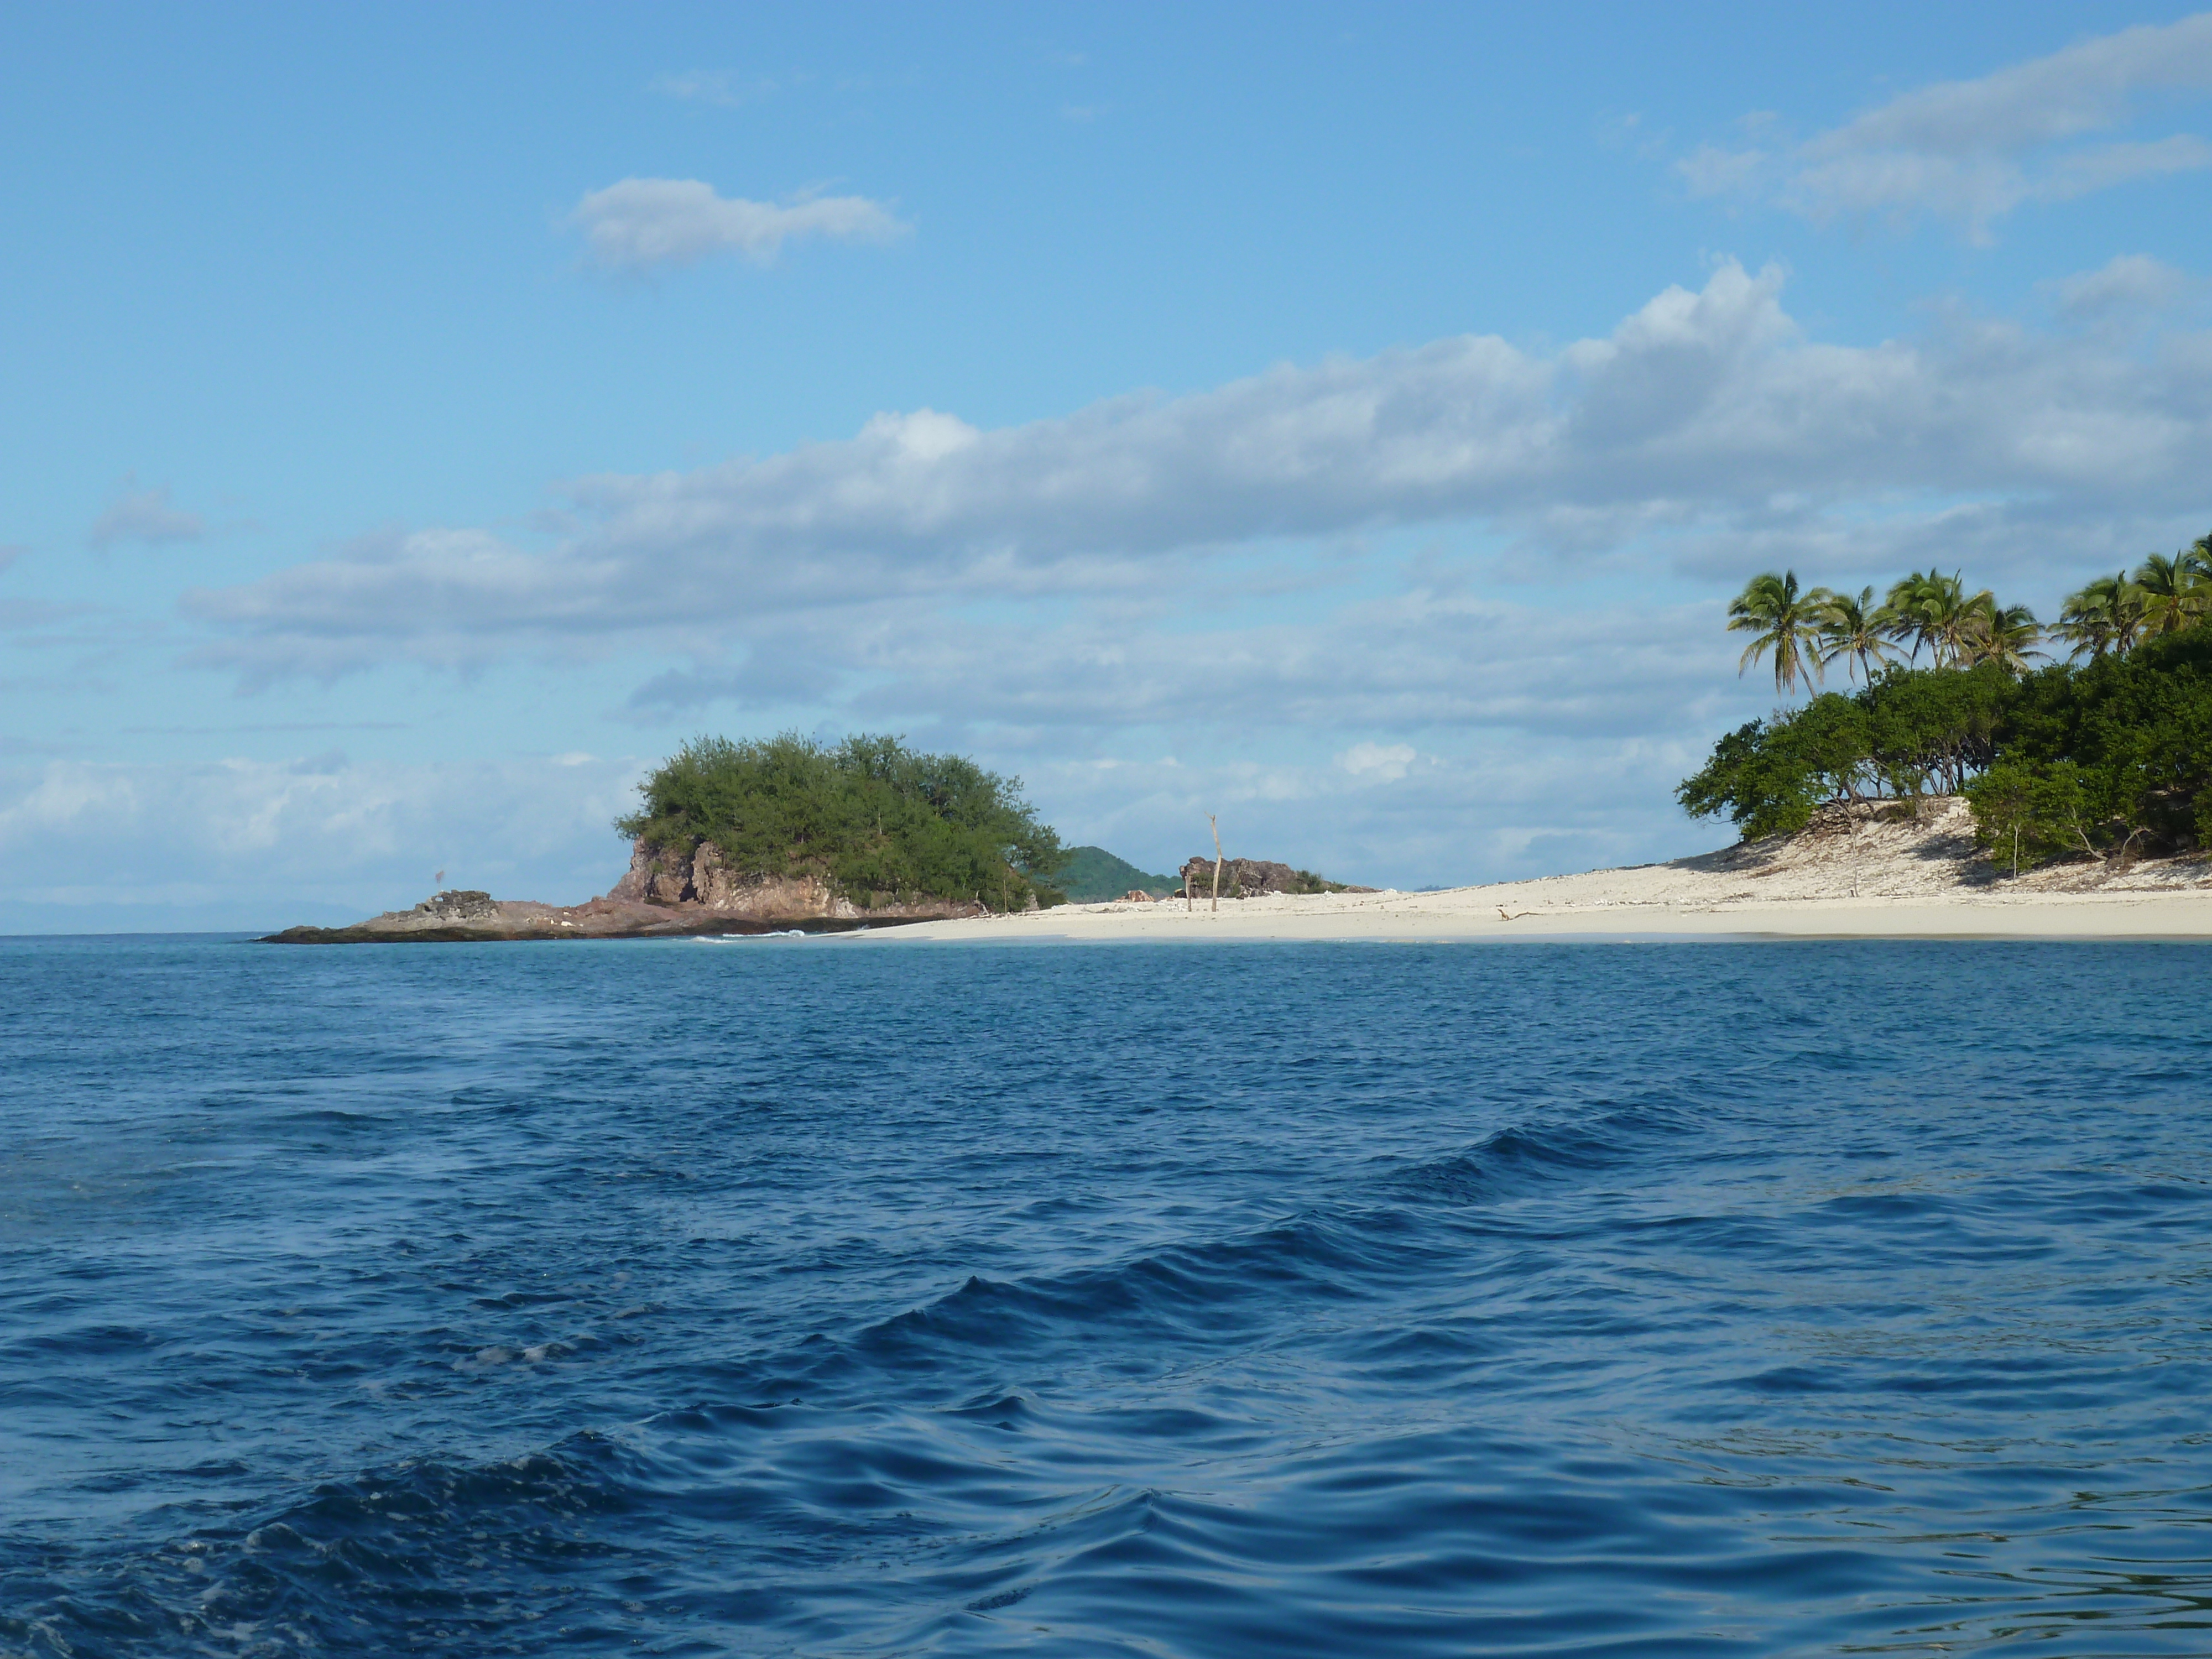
(815, 1298)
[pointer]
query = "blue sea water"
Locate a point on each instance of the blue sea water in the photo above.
(812, 1297)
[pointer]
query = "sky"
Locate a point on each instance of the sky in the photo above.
(417, 422)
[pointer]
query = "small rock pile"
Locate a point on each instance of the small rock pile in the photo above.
(1251, 877)
(460, 904)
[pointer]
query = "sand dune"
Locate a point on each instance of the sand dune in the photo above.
(1901, 880)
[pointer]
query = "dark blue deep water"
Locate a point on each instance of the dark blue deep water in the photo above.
(819, 1297)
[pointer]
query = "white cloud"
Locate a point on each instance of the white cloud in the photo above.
(1705, 424)
(1386, 762)
(715, 87)
(1215, 577)
(2084, 88)
(2090, 170)
(1713, 170)
(1971, 151)
(1418, 661)
(18, 615)
(641, 224)
(2129, 283)
(260, 845)
(1494, 808)
(145, 515)
(239, 843)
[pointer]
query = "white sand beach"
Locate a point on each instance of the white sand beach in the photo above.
(1920, 879)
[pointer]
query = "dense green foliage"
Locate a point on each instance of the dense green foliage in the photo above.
(882, 823)
(2132, 735)
(1092, 875)
(2110, 755)
(1911, 732)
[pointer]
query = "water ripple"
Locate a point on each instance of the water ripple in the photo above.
(1779, 1300)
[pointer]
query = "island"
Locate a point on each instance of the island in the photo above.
(773, 835)
(1984, 790)
(1965, 785)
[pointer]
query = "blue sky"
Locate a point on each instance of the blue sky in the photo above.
(1350, 420)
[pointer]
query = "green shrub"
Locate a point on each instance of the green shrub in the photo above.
(2113, 756)
(881, 822)
(2025, 816)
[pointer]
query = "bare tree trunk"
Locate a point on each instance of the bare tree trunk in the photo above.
(1215, 826)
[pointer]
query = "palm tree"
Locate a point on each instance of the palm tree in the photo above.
(1956, 619)
(1783, 621)
(1903, 608)
(2176, 592)
(1935, 610)
(1931, 610)
(2006, 635)
(1856, 629)
(2107, 615)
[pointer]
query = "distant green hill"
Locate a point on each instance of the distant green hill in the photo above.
(1093, 873)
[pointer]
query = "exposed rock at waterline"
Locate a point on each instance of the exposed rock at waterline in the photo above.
(664, 893)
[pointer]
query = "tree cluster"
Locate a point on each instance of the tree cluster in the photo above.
(2107, 755)
(880, 823)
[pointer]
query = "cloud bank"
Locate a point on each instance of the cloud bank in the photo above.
(260, 844)
(1707, 428)
(256, 845)
(1969, 152)
(1444, 612)
(641, 224)
(2126, 287)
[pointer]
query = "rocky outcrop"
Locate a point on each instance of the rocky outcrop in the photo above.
(702, 879)
(664, 893)
(666, 875)
(457, 905)
(1252, 878)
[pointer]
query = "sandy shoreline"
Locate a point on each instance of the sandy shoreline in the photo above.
(1460, 915)
(1918, 880)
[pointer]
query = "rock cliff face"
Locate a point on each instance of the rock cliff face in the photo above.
(701, 878)
(665, 876)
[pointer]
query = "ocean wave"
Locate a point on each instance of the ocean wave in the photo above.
(1170, 1304)
(1515, 1158)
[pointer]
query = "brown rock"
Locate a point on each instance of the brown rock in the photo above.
(1251, 877)
(664, 892)
(459, 905)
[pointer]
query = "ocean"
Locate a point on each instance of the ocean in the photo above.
(823, 1297)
